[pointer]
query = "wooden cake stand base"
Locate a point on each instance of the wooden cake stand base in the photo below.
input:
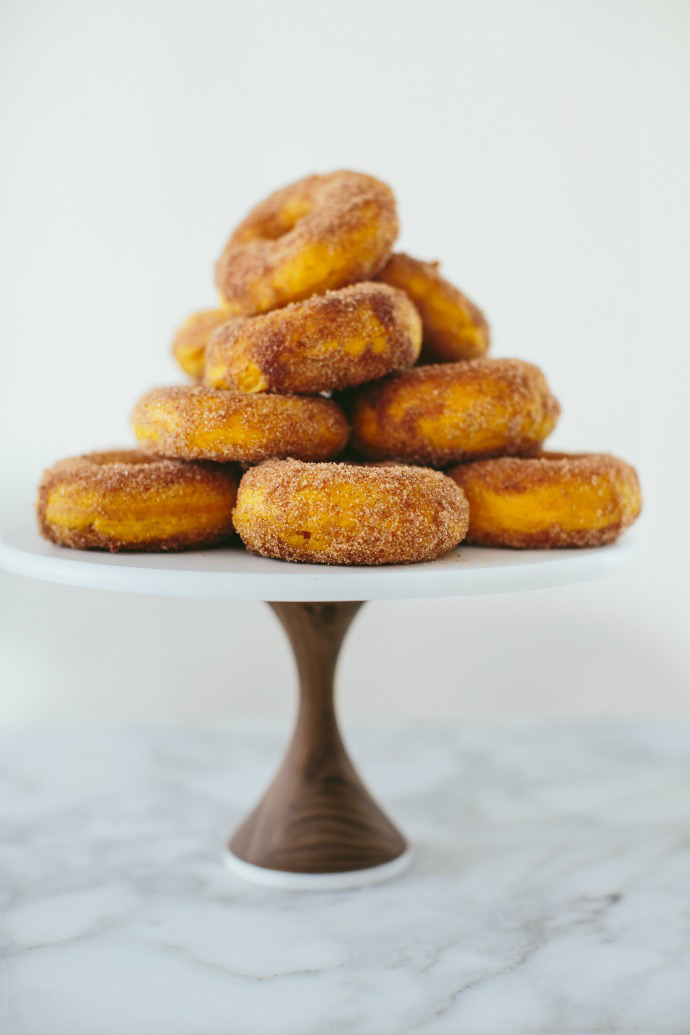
(317, 825)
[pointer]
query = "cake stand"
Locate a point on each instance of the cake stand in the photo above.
(316, 826)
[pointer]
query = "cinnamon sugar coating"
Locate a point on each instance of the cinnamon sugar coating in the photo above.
(349, 514)
(445, 413)
(198, 423)
(190, 340)
(128, 500)
(549, 501)
(454, 327)
(320, 233)
(336, 340)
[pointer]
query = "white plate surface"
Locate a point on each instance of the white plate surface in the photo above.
(233, 574)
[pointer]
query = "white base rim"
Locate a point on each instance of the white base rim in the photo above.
(317, 881)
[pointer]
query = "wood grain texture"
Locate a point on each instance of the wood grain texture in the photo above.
(317, 816)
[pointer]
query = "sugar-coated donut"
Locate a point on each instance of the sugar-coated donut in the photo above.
(347, 514)
(126, 500)
(454, 327)
(330, 341)
(552, 500)
(198, 423)
(320, 233)
(191, 339)
(447, 412)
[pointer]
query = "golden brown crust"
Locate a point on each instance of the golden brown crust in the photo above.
(191, 338)
(454, 327)
(336, 340)
(446, 413)
(198, 423)
(349, 514)
(126, 500)
(549, 501)
(320, 233)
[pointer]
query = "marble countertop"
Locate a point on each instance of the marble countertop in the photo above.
(548, 894)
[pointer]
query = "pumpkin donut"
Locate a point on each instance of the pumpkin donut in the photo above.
(551, 500)
(197, 423)
(448, 412)
(349, 514)
(335, 340)
(320, 233)
(126, 500)
(454, 327)
(191, 339)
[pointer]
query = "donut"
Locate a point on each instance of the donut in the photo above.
(330, 341)
(551, 500)
(198, 423)
(348, 514)
(448, 412)
(454, 327)
(320, 233)
(189, 343)
(126, 500)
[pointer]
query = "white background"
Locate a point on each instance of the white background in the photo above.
(538, 148)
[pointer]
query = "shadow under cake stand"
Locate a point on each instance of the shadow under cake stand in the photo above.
(316, 826)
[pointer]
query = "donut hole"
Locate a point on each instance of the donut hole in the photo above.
(274, 231)
(278, 224)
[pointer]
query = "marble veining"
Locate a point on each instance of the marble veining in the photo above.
(548, 893)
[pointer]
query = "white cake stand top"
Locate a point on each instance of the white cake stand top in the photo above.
(231, 573)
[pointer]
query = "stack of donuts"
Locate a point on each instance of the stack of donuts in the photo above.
(341, 409)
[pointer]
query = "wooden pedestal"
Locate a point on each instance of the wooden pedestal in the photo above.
(317, 816)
